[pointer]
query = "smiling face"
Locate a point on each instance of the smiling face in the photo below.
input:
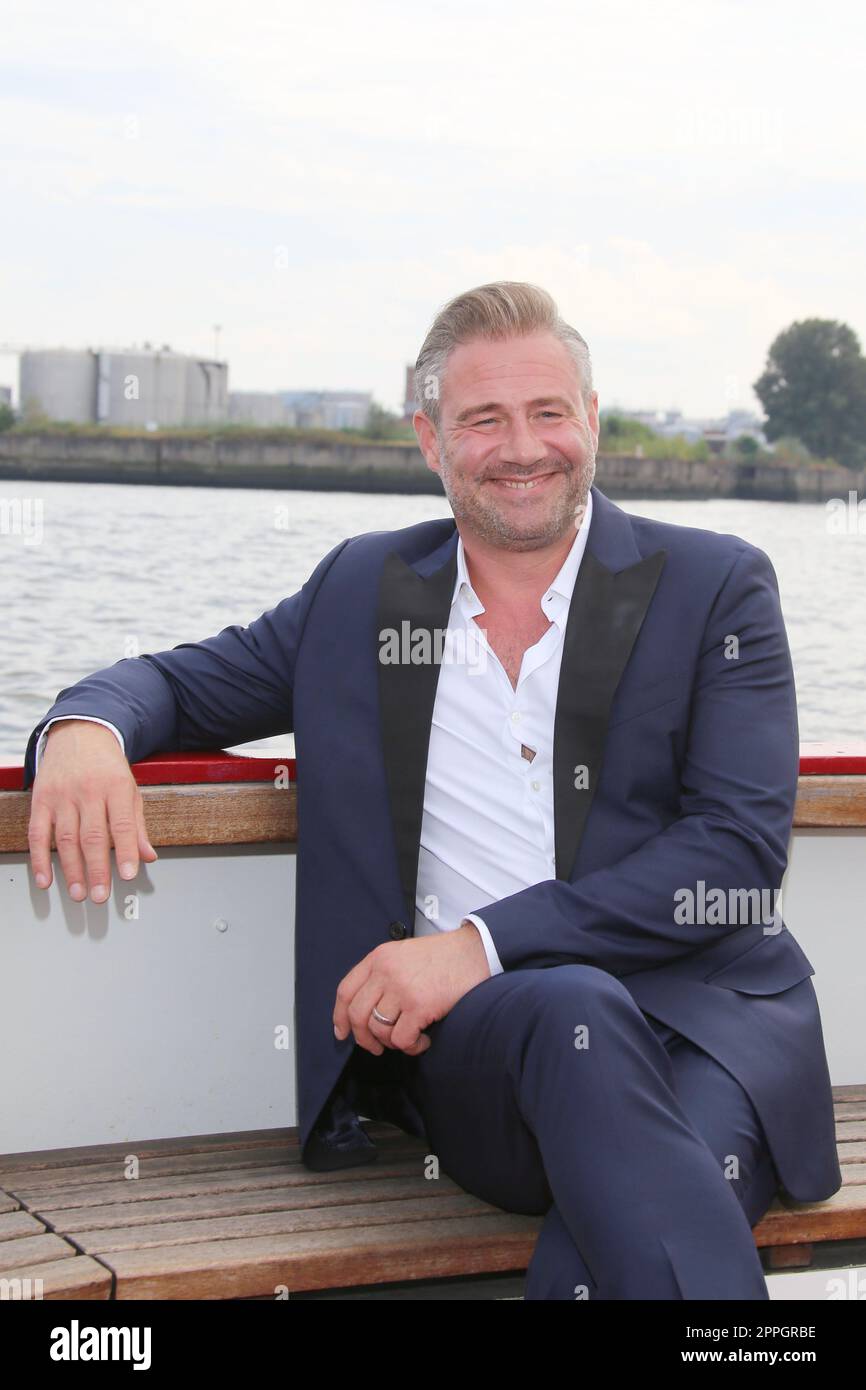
(516, 444)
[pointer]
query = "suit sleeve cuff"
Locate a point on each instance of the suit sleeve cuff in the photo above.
(495, 964)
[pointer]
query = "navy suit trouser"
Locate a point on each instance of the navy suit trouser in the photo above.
(548, 1091)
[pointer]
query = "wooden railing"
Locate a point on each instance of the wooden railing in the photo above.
(230, 799)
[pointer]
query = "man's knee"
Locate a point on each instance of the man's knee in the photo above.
(575, 980)
(575, 994)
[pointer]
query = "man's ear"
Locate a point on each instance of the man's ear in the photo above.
(428, 439)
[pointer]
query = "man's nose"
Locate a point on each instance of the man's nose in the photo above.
(521, 445)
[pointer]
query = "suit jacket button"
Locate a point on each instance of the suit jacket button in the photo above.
(397, 931)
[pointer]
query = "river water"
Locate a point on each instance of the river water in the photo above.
(92, 572)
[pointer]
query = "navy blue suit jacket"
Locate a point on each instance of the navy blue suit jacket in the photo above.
(690, 745)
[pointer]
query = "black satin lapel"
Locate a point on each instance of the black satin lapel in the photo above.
(410, 605)
(605, 617)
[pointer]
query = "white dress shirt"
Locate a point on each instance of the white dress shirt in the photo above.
(487, 829)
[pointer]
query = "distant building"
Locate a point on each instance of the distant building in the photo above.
(330, 410)
(744, 422)
(718, 433)
(261, 408)
(6, 396)
(149, 387)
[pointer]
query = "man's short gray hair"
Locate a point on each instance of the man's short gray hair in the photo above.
(505, 309)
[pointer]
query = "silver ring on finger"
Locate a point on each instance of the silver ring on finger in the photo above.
(382, 1019)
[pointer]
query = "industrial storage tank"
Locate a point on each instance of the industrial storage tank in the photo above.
(59, 383)
(207, 385)
(142, 388)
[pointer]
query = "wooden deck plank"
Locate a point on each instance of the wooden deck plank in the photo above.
(327, 1259)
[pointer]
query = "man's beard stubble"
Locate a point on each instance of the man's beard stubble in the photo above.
(477, 510)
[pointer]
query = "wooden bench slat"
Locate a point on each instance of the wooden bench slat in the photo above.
(347, 1218)
(850, 1129)
(245, 1180)
(223, 1204)
(852, 1172)
(14, 1224)
(327, 1259)
(34, 1161)
(840, 1217)
(178, 1165)
(81, 1277)
(35, 1249)
(386, 1135)
(849, 1110)
(849, 1093)
(175, 1165)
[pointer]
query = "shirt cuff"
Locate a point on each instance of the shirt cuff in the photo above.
(495, 964)
(91, 718)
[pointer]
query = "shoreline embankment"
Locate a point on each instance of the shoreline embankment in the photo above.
(269, 461)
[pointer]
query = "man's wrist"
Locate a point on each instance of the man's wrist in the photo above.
(469, 931)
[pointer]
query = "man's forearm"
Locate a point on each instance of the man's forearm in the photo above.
(624, 917)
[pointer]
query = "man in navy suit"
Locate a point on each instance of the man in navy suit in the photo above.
(539, 851)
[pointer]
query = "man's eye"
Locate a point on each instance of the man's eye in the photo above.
(491, 421)
(552, 414)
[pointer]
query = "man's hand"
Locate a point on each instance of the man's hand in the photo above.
(85, 790)
(415, 982)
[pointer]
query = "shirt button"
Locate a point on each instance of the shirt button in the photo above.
(515, 718)
(536, 786)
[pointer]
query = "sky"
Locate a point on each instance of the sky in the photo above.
(686, 179)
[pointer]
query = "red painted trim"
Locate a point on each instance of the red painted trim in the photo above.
(177, 768)
(816, 759)
(210, 767)
(832, 759)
